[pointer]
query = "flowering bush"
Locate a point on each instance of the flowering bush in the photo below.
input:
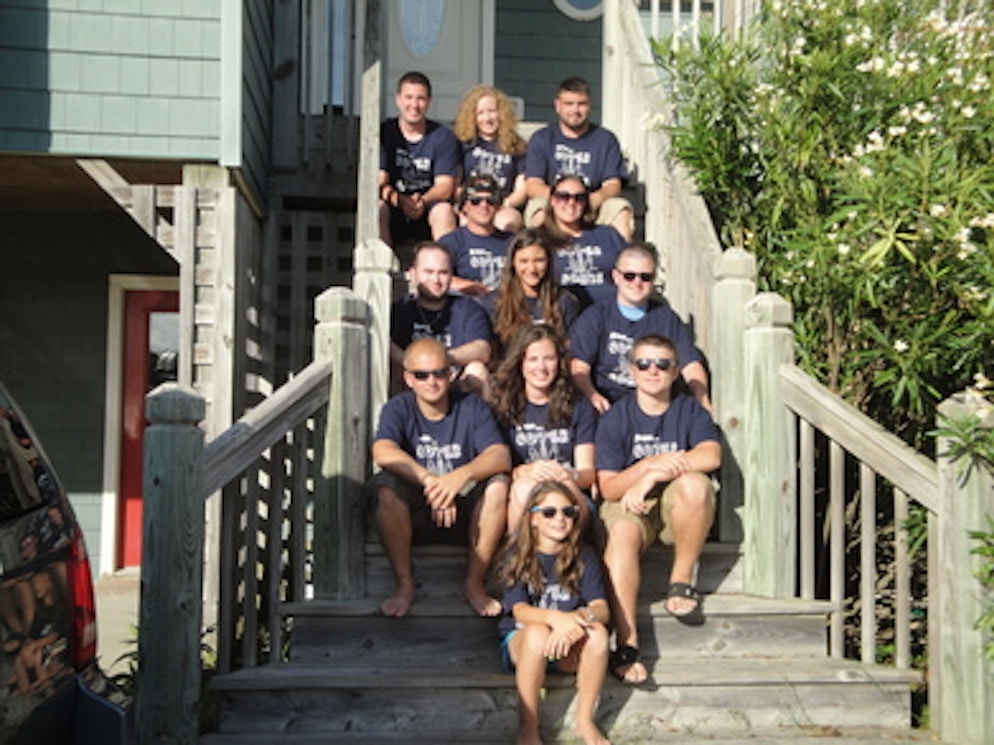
(850, 145)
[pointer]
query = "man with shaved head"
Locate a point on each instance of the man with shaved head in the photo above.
(444, 464)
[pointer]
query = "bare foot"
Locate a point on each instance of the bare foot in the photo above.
(590, 735)
(479, 601)
(397, 605)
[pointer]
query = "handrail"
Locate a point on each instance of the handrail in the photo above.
(884, 452)
(235, 449)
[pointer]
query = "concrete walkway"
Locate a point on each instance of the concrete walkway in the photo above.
(117, 618)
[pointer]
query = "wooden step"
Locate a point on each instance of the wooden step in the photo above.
(735, 626)
(439, 570)
(794, 735)
(728, 697)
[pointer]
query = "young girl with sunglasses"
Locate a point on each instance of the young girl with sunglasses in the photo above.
(549, 426)
(555, 610)
(585, 252)
(528, 292)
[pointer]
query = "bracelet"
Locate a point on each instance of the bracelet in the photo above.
(591, 616)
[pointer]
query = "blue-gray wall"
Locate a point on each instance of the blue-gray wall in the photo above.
(257, 93)
(53, 334)
(137, 78)
(536, 47)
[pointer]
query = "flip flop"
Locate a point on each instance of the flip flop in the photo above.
(627, 656)
(693, 616)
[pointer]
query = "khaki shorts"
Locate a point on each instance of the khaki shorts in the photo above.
(656, 522)
(605, 215)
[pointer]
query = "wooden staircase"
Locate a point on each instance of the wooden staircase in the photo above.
(757, 669)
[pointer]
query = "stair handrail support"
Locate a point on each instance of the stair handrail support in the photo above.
(769, 469)
(167, 687)
(342, 336)
(735, 287)
(961, 677)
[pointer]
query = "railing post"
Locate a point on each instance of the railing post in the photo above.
(375, 263)
(964, 688)
(342, 337)
(769, 517)
(612, 74)
(169, 670)
(735, 287)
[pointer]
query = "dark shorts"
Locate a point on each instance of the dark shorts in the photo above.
(403, 230)
(412, 495)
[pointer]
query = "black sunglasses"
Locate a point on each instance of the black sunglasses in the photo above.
(569, 511)
(494, 200)
(566, 196)
(441, 373)
(644, 276)
(644, 363)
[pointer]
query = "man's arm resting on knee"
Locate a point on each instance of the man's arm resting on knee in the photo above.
(696, 378)
(702, 458)
(536, 188)
(608, 189)
(493, 460)
(470, 351)
(391, 456)
(441, 190)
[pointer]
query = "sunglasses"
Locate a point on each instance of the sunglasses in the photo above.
(644, 363)
(570, 512)
(565, 196)
(441, 373)
(644, 276)
(494, 200)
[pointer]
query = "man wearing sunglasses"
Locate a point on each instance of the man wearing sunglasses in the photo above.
(459, 323)
(576, 146)
(601, 338)
(478, 248)
(654, 450)
(444, 462)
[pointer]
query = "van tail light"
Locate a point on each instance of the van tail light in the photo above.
(83, 641)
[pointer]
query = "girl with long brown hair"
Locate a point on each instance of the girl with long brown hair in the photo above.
(549, 427)
(528, 292)
(555, 610)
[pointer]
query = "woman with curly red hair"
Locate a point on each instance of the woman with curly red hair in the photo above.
(486, 124)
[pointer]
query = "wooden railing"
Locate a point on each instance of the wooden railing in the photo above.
(290, 473)
(829, 497)
(821, 496)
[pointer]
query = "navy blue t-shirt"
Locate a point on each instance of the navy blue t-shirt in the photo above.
(602, 338)
(595, 156)
(460, 322)
(584, 264)
(535, 439)
(484, 158)
(477, 257)
(626, 434)
(413, 166)
(466, 431)
(569, 308)
(553, 595)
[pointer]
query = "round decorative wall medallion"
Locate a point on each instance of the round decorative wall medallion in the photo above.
(580, 10)
(420, 25)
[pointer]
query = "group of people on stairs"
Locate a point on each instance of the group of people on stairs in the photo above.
(550, 409)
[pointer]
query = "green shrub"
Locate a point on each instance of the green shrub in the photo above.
(850, 145)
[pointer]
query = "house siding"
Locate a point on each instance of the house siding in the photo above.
(54, 305)
(257, 93)
(536, 47)
(134, 78)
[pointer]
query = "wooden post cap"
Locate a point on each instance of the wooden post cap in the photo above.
(769, 310)
(171, 402)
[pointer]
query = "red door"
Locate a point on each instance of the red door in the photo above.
(150, 322)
